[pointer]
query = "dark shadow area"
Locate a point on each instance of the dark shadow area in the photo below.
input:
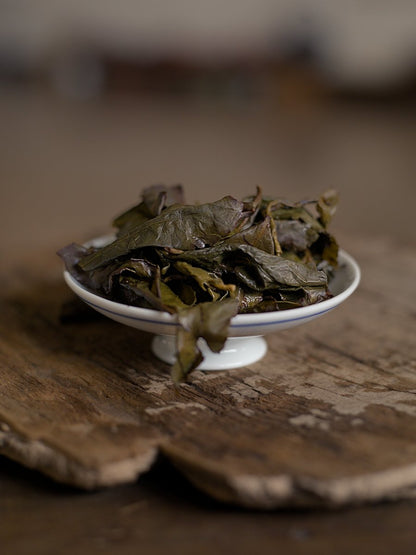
(58, 322)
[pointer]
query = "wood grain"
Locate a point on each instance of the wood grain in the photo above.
(327, 417)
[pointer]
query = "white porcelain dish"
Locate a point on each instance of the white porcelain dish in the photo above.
(245, 343)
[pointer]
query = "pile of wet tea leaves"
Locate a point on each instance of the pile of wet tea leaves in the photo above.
(208, 262)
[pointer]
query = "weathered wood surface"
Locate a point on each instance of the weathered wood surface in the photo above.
(327, 417)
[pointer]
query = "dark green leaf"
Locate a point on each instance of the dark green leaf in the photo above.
(295, 235)
(179, 227)
(209, 321)
(166, 300)
(207, 281)
(326, 206)
(155, 199)
(270, 269)
(260, 235)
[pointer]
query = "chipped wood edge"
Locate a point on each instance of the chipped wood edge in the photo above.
(250, 491)
(391, 483)
(283, 490)
(39, 456)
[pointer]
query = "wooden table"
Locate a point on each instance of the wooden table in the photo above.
(309, 451)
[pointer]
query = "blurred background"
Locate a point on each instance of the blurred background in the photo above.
(100, 99)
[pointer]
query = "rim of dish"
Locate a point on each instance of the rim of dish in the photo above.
(240, 320)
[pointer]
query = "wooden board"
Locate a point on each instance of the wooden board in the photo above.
(327, 417)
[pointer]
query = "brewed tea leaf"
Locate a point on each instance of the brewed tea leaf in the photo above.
(295, 235)
(180, 227)
(209, 321)
(260, 235)
(272, 270)
(207, 281)
(327, 206)
(154, 199)
(166, 300)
